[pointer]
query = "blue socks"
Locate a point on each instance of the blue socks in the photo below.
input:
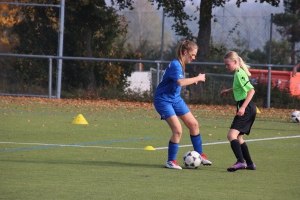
(172, 151)
(173, 147)
(197, 143)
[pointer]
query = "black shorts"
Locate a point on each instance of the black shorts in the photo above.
(245, 122)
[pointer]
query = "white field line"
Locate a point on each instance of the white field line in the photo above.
(226, 142)
(67, 145)
(157, 148)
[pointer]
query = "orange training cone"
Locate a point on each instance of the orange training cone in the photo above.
(79, 120)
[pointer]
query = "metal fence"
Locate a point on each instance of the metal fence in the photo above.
(11, 83)
(44, 75)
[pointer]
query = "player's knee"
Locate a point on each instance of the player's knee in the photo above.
(193, 125)
(230, 137)
(177, 133)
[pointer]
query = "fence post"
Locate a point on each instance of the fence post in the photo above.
(269, 66)
(157, 74)
(60, 47)
(50, 79)
(162, 36)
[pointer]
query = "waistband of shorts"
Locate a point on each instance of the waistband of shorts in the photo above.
(240, 101)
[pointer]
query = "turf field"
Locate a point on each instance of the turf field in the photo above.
(44, 156)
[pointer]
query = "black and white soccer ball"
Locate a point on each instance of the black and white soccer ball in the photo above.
(295, 116)
(192, 159)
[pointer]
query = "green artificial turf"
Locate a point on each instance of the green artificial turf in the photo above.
(44, 156)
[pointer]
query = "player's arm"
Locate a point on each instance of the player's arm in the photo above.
(295, 69)
(242, 109)
(189, 81)
(225, 91)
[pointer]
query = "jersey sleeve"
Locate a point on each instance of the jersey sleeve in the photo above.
(176, 71)
(245, 83)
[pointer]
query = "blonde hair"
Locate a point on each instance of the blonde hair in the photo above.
(234, 56)
(185, 45)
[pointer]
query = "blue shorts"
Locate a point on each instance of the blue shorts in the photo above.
(167, 109)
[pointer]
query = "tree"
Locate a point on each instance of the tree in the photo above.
(91, 27)
(143, 34)
(175, 9)
(288, 24)
(9, 16)
(280, 53)
(37, 35)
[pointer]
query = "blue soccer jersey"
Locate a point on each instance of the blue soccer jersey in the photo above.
(168, 90)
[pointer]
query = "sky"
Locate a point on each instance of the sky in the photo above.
(250, 8)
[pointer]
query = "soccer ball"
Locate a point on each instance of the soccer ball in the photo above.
(295, 116)
(192, 159)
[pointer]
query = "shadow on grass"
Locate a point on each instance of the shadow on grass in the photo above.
(85, 162)
(114, 164)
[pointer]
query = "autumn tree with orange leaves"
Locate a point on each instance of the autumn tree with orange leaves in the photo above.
(9, 16)
(91, 30)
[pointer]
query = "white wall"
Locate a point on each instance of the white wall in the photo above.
(140, 81)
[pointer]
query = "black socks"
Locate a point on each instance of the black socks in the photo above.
(241, 152)
(237, 150)
(246, 153)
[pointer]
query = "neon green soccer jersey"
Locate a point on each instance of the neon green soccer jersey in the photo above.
(241, 85)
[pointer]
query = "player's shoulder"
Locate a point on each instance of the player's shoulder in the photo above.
(240, 72)
(175, 63)
(240, 75)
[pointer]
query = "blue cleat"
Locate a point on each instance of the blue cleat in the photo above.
(251, 167)
(237, 166)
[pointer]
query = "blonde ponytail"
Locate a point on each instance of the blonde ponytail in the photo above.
(244, 66)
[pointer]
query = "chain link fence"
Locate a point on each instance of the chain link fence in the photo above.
(35, 76)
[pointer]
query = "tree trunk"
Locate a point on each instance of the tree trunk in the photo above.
(91, 76)
(293, 56)
(203, 42)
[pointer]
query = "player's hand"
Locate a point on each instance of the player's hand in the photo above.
(241, 111)
(294, 73)
(201, 77)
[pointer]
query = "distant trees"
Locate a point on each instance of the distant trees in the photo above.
(281, 51)
(37, 35)
(91, 30)
(9, 16)
(176, 9)
(288, 24)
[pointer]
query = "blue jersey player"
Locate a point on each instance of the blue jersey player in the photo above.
(171, 106)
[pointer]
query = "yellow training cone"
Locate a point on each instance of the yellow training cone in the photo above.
(257, 110)
(79, 120)
(149, 148)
